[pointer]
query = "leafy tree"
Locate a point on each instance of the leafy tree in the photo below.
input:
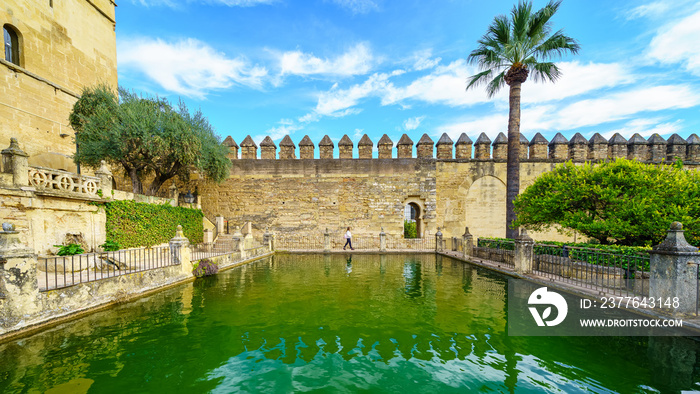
(622, 202)
(147, 137)
(511, 49)
(409, 229)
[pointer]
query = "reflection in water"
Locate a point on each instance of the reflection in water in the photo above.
(297, 323)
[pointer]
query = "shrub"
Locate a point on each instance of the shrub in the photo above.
(205, 267)
(110, 246)
(409, 229)
(69, 250)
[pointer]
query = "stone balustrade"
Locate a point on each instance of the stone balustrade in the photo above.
(63, 181)
(655, 149)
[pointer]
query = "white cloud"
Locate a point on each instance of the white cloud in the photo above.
(423, 60)
(357, 60)
(188, 67)
(358, 6)
(677, 43)
(339, 102)
(491, 125)
(277, 133)
(412, 123)
(646, 128)
(647, 10)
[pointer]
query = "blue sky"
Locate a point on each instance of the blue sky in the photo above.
(335, 67)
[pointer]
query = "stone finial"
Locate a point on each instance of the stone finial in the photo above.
(364, 147)
(463, 147)
(345, 146)
(15, 162)
(657, 148)
(675, 148)
(384, 147)
(617, 147)
(524, 236)
(466, 232)
(597, 147)
(404, 148)
(179, 234)
(287, 148)
(325, 148)
(675, 241)
(538, 147)
(444, 147)
(523, 147)
(424, 147)
(638, 148)
(268, 149)
(104, 169)
(693, 152)
(248, 148)
(14, 149)
(306, 148)
(482, 147)
(559, 148)
(500, 147)
(578, 148)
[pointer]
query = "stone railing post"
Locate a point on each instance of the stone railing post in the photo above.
(208, 236)
(268, 240)
(240, 241)
(219, 223)
(19, 288)
(14, 161)
(382, 241)
(105, 179)
(326, 241)
(180, 251)
(467, 243)
(438, 240)
(673, 272)
(524, 252)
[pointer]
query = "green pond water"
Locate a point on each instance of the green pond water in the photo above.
(340, 323)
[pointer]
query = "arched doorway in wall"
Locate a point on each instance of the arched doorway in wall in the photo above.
(413, 218)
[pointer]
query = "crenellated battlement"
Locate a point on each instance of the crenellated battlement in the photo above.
(655, 149)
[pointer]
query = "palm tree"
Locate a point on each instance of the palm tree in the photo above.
(511, 49)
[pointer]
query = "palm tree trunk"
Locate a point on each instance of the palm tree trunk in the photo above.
(513, 163)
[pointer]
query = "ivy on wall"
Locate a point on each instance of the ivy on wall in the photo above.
(133, 224)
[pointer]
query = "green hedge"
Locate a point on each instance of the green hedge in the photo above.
(133, 224)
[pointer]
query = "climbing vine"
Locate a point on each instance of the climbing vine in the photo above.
(133, 224)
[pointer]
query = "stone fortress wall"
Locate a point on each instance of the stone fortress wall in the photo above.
(455, 185)
(62, 46)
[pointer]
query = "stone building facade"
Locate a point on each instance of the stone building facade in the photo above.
(52, 50)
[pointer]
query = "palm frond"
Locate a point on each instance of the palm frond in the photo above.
(521, 15)
(479, 79)
(539, 23)
(496, 84)
(545, 72)
(557, 45)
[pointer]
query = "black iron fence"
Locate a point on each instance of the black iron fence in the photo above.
(63, 271)
(502, 251)
(207, 250)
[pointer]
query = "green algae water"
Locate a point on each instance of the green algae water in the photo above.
(335, 323)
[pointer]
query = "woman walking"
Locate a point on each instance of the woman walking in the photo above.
(348, 237)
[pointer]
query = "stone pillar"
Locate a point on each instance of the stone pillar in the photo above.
(14, 161)
(345, 146)
(220, 224)
(467, 243)
(180, 251)
(482, 147)
(617, 147)
(673, 272)
(268, 240)
(287, 148)
(325, 148)
(675, 149)
(326, 241)
(364, 147)
(173, 195)
(438, 240)
(268, 149)
(538, 147)
(559, 148)
(524, 252)
(500, 147)
(208, 236)
(404, 148)
(382, 241)
(657, 148)
(463, 147)
(19, 288)
(232, 148)
(106, 180)
(384, 147)
(638, 148)
(306, 148)
(248, 149)
(578, 148)
(444, 147)
(598, 147)
(425, 147)
(693, 152)
(240, 241)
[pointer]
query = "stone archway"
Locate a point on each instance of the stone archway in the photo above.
(414, 209)
(486, 207)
